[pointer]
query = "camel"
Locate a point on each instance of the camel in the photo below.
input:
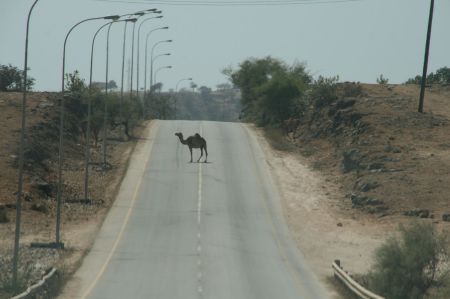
(195, 141)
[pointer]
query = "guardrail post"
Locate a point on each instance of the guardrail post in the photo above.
(337, 262)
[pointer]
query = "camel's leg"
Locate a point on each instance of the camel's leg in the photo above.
(206, 152)
(190, 149)
(201, 154)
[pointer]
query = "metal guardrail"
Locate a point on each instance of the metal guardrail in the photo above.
(351, 284)
(36, 286)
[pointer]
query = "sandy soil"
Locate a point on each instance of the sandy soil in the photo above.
(324, 228)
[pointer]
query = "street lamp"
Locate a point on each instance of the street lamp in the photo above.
(161, 68)
(157, 56)
(88, 127)
(151, 60)
(123, 56)
(145, 77)
(163, 112)
(138, 15)
(138, 50)
(21, 154)
(176, 93)
(146, 55)
(57, 243)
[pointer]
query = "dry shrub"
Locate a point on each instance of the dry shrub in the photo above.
(408, 266)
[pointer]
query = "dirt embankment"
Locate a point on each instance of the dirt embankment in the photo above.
(389, 159)
(352, 171)
(80, 220)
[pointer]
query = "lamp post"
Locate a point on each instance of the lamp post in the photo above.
(58, 244)
(88, 127)
(156, 72)
(123, 70)
(138, 49)
(21, 154)
(152, 59)
(176, 93)
(146, 55)
(137, 15)
(132, 47)
(161, 68)
(145, 77)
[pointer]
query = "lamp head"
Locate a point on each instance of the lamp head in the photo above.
(167, 27)
(151, 9)
(114, 17)
(158, 11)
(169, 40)
(140, 14)
(132, 20)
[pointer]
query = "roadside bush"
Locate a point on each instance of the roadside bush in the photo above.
(407, 266)
(442, 76)
(350, 89)
(382, 80)
(323, 91)
(24, 275)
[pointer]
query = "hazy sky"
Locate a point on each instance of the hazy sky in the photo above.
(357, 40)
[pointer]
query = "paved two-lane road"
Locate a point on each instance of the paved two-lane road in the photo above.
(196, 230)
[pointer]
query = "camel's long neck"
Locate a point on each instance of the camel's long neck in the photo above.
(182, 140)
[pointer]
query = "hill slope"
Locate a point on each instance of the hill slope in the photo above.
(389, 158)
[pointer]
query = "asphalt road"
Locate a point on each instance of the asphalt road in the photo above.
(196, 230)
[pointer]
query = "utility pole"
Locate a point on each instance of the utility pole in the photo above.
(425, 62)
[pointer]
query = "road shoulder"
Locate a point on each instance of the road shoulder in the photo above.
(112, 224)
(317, 220)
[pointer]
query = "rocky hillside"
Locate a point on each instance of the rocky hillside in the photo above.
(388, 158)
(40, 181)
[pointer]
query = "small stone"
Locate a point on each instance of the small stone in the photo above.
(339, 224)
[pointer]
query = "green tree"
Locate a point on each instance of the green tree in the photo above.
(11, 78)
(276, 98)
(269, 88)
(101, 85)
(382, 80)
(205, 93)
(75, 104)
(252, 74)
(193, 86)
(126, 113)
(74, 83)
(442, 76)
(160, 106)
